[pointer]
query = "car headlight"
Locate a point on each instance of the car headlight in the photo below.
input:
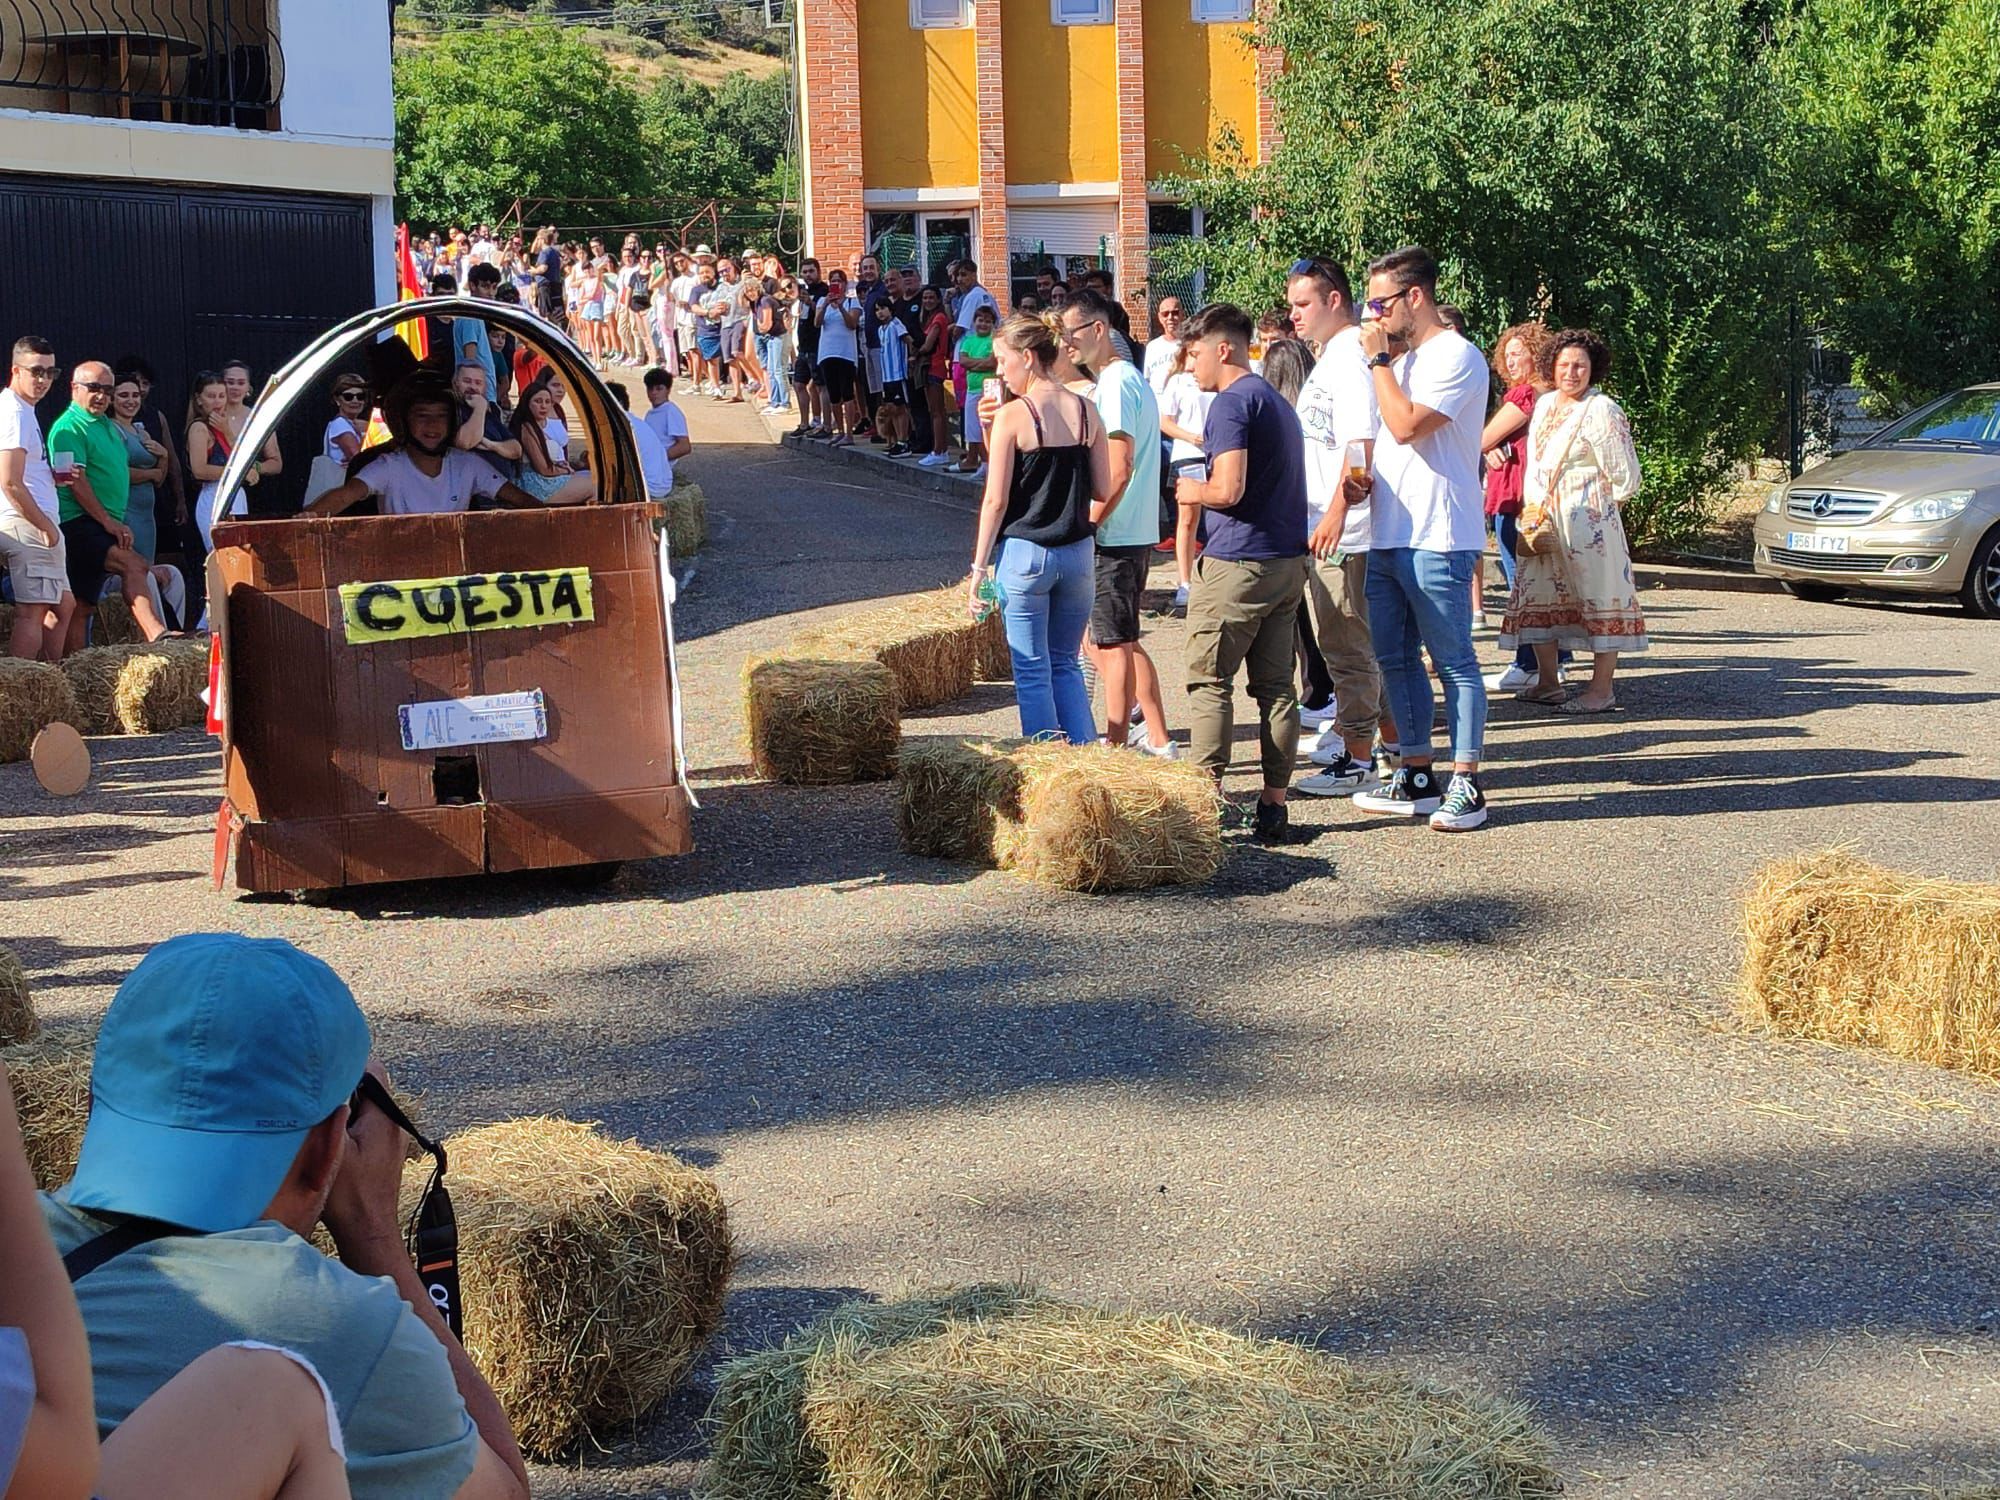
(1932, 507)
(1777, 501)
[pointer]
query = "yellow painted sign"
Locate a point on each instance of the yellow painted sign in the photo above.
(399, 609)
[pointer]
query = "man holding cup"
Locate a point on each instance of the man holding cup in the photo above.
(1338, 417)
(93, 477)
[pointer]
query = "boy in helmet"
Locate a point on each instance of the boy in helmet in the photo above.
(422, 474)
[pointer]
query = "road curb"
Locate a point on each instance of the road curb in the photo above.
(1710, 579)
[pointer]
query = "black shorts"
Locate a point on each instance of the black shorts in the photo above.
(896, 392)
(837, 375)
(87, 543)
(1121, 579)
(803, 372)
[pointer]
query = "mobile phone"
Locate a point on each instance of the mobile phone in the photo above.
(1195, 467)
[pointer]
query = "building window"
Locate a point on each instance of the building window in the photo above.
(1080, 12)
(929, 13)
(1222, 10)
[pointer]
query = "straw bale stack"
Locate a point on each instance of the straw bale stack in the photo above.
(952, 793)
(1841, 950)
(593, 1271)
(687, 520)
(762, 1450)
(141, 689)
(33, 695)
(817, 722)
(18, 1022)
(51, 1079)
(991, 660)
(1010, 1393)
(928, 640)
(114, 625)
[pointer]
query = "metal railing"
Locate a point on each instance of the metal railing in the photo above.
(198, 62)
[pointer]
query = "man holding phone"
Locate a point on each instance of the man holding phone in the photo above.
(31, 545)
(1337, 414)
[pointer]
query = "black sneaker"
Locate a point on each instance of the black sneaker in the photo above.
(1464, 805)
(1411, 793)
(1342, 777)
(899, 450)
(1273, 825)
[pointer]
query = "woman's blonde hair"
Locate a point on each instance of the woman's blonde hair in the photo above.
(1027, 334)
(1538, 337)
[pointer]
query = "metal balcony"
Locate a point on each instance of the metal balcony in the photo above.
(196, 62)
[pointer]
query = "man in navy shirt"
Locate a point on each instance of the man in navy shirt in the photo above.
(1243, 604)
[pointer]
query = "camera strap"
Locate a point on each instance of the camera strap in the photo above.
(432, 1233)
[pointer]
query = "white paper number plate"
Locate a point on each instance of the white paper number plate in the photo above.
(491, 720)
(1815, 541)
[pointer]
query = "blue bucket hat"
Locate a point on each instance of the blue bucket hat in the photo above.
(218, 1056)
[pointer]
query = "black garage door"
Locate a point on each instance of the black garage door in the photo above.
(187, 277)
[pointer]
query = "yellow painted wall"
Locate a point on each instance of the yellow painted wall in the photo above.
(1061, 96)
(1201, 79)
(919, 127)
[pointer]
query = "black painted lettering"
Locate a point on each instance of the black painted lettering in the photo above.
(471, 591)
(534, 582)
(511, 593)
(563, 596)
(375, 594)
(435, 606)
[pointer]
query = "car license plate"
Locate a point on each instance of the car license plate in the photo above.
(1815, 541)
(490, 720)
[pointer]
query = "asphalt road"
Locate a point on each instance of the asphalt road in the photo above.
(1477, 1106)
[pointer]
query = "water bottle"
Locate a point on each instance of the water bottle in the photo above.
(989, 596)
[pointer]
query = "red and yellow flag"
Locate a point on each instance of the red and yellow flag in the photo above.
(409, 289)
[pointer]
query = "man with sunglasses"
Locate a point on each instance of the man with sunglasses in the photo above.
(31, 545)
(226, 1121)
(91, 503)
(1427, 534)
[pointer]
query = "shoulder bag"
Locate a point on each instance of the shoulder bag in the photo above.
(1538, 536)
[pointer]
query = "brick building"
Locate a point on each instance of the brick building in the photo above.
(1019, 132)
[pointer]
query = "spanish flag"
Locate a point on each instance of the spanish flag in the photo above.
(409, 289)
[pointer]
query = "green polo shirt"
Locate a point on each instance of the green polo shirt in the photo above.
(100, 448)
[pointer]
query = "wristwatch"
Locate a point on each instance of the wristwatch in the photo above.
(1378, 361)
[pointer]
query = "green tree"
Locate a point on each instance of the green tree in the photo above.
(1897, 111)
(1586, 161)
(723, 140)
(485, 117)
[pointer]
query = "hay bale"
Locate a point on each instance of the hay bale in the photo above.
(927, 640)
(33, 695)
(18, 1021)
(951, 793)
(1098, 818)
(1841, 950)
(6, 629)
(113, 624)
(1098, 1405)
(51, 1079)
(820, 722)
(761, 1449)
(687, 520)
(141, 689)
(594, 1272)
(991, 660)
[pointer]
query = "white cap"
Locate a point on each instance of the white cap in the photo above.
(703, 250)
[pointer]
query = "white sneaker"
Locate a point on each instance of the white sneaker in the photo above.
(1318, 718)
(1340, 778)
(1329, 749)
(1170, 750)
(1180, 596)
(930, 460)
(1513, 680)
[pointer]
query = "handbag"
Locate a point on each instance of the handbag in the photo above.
(1538, 535)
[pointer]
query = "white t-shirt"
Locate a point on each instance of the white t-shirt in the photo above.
(1160, 357)
(669, 425)
(405, 490)
(19, 428)
(1185, 404)
(652, 458)
(1337, 407)
(969, 305)
(836, 339)
(340, 427)
(1427, 494)
(681, 291)
(556, 435)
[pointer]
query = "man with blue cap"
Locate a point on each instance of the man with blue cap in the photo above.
(220, 1133)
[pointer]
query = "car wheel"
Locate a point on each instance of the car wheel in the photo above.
(1981, 594)
(1815, 593)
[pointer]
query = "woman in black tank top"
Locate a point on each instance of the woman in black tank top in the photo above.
(1048, 472)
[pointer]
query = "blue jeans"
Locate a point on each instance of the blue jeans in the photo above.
(770, 354)
(1507, 531)
(1425, 599)
(1047, 593)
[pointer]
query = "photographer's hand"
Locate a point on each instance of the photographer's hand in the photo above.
(361, 1212)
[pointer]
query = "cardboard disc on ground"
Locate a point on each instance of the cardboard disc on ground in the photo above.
(61, 760)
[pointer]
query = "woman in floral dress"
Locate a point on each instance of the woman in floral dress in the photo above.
(1581, 467)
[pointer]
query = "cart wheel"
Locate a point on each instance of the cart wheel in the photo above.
(587, 877)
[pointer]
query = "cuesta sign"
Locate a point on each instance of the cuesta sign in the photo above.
(399, 609)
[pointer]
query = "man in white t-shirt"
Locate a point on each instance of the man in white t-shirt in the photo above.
(31, 541)
(1337, 414)
(666, 420)
(423, 474)
(971, 297)
(1427, 534)
(1164, 350)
